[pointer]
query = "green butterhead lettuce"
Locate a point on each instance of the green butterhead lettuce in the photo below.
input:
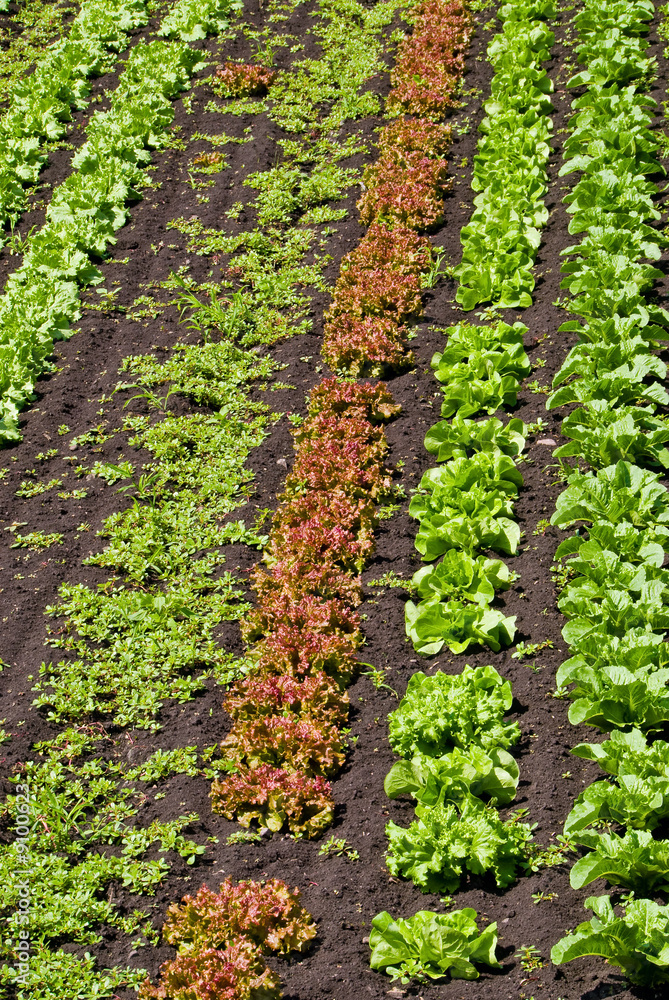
(432, 945)
(459, 437)
(455, 776)
(637, 942)
(433, 624)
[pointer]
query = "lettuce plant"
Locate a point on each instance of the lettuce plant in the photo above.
(298, 744)
(237, 972)
(241, 80)
(436, 623)
(305, 613)
(415, 135)
(603, 436)
(635, 802)
(366, 346)
(455, 608)
(291, 650)
(459, 437)
(269, 914)
(275, 797)
(405, 186)
(620, 492)
(379, 287)
(635, 860)
(432, 945)
(382, 275)
(221, 938)
(465, 577)
(615, 694)
(628, 754)
(637, 942)
(638, 797)
(483, 350)
(194, 19)
(317, 698)
(448, 838)
(467, 504)
(481, 367)
(638, 546)
(615, 372)
(442, 711)
(296, 573)
(623, 602)
(453, 777)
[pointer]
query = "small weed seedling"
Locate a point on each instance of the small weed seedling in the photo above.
(338, 848)
(378, 678)
(244, 837)
(530, 958)
(543, 897)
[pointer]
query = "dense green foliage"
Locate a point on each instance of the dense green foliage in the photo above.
(616, 595)
(431, 945)
(501, 240)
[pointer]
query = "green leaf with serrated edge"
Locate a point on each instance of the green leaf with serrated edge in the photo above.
(443, 711)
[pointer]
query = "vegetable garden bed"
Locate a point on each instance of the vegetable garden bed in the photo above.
(271, 309)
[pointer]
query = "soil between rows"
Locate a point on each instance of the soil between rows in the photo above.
(343, 896)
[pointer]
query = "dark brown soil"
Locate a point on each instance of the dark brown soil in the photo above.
(343, 896)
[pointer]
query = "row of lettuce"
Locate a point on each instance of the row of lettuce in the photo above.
(41, 299)
(304, 629)
(614, 584)
(450, 730)
(615, 589)
(40, 106)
